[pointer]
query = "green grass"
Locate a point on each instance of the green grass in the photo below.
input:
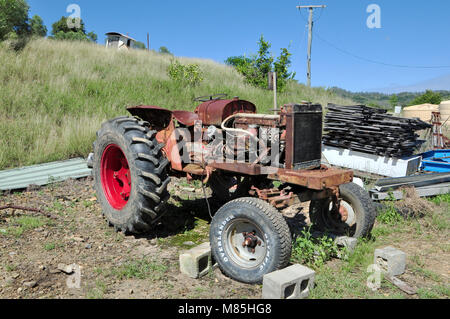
(56, 94)
(97, 292)
(426, 273)
(440, 291)
(141, 269)
(10, 267)
(19, 225)
(444, 198)
(337, 284)
(389, 215)
(49, 246)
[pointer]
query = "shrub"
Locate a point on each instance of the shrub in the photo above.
(189, 74)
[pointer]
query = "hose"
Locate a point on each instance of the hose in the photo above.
(236, 130)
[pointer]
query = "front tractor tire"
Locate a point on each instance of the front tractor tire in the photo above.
(250, 238)
(130, 174)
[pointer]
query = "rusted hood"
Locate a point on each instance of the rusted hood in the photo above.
(214, 112)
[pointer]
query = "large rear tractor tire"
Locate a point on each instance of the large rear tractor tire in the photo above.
(360, 210)
(130, 174)
(250, 238)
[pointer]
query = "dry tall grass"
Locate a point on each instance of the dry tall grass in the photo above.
(55, 95)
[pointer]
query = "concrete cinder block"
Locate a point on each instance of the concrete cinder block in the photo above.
(294, 282)
(348, 242)
(197, 262)
(390, 260)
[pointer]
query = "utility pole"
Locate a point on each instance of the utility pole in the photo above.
(311, 24)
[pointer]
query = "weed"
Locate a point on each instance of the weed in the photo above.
(49, 246)
(277, 184)
(87, 204)
(57, 207)
(313, 252)
(389, 215)
(194, 183)
(10, 267)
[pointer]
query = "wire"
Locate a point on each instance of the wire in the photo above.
(206, 198)
(379, 62)
(303, 36)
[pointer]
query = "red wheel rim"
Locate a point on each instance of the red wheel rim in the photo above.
(115, 175)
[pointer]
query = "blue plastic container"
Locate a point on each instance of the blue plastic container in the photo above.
(436, 161)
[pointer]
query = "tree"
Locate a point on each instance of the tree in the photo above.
(13, 18)
(393, 101)
(428, 97)
(37, 26)
(164, 50)
(264, 60)
(139, 45)
(73, 26)
(64, 29)
(281, 66)
(238, 61)
(255, 69)
(92, 36)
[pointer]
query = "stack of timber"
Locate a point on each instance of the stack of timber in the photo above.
(372, 131)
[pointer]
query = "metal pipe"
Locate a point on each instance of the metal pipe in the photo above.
(236, 130)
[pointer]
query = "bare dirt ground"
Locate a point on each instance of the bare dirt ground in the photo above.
(112, 265)
(33, 247)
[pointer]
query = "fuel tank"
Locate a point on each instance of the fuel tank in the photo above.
(214, 112)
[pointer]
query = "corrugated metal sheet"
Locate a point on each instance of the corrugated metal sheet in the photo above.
(43, 174)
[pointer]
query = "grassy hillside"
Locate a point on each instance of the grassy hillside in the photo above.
(55, 95)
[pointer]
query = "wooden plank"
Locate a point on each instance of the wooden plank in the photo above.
(403, 286)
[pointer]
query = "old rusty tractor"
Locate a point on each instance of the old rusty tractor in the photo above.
(255, 164)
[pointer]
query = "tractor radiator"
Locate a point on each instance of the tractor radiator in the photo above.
(304, 137)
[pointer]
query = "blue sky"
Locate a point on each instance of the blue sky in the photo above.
(412, 33)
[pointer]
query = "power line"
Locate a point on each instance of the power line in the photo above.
(380, 62)
(303, 36)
